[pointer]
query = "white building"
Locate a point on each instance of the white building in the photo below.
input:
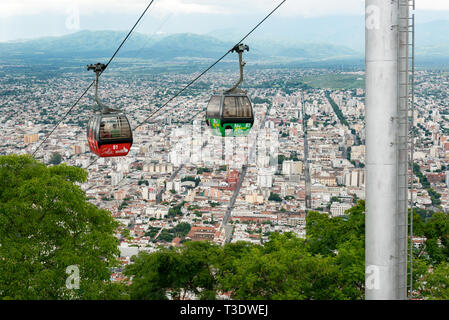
(358, 153)
(290, 167)
(158, 168)
(447, 179)
(145, 193)
(116, 177)
(341, 163)
(354, 178)
(338, 209)
(265, 178)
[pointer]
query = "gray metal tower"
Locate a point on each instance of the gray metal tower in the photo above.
(387, 127)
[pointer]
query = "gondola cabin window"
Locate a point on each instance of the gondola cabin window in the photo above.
(113, 128)
(213, 108)
(236, 107)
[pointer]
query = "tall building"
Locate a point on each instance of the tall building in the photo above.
(254, 198)
(30, 138)
(338, 209)
(358, 153)
(158, 168)
(145, 193)
(265, 178)
(447, 179)
(354, 178)
(123, 165)
(116, 177)
(290, 167)
(77, 149)
(119, 195)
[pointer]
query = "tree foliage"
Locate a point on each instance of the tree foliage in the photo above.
(435, 284)
(285, 267)
(46, 225)
(174, 273)
(436, 231)
(55, 159)
(274, 197)
(176, 210)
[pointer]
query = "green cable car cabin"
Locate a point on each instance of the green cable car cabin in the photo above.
(230, 114)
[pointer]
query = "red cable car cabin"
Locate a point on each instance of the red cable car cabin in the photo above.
(109, 135)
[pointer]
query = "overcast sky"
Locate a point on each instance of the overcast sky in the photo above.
(21, 19)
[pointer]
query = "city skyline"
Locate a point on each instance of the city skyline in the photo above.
(285, 185)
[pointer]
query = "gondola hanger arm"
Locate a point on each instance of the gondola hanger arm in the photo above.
(240, 48)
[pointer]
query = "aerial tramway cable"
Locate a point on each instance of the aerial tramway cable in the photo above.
(172, 98)
(202, 73)
(92, 83)
(210, 67)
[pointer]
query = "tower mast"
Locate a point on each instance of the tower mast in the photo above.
(382, 166)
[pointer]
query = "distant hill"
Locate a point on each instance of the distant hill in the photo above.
(323, 39)
(432, 38)
(91, 45)
(340, 31)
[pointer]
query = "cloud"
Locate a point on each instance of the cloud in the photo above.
(10, 8)
(304, 8)
(289, 8)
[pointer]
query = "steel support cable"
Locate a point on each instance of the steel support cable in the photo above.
(133, 171)
(193, 117)
(199, 76)
(129, 33)
(88, 88)
(62, 119)
(210, 67)
(96, 159)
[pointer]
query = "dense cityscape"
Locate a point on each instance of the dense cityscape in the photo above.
(180, 183)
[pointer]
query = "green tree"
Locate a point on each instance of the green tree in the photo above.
(418, 224)
(436, 231)
(202, 170)
(152, 231)
(434, 285)
(323, 233)
(329, 264)
(283, 269)
(47, 225)
(182, 229)
(228, 258)
(274, 197)
(125, 233)
(174, 272)
(281, 159)
(214, 204)
(350, 259)
(176, 210)
(55, 159)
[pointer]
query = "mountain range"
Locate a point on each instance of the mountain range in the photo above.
(90, 45)
(306, 42)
